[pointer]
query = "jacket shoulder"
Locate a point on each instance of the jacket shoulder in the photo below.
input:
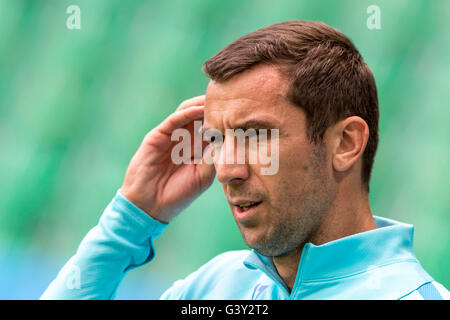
(428, 291)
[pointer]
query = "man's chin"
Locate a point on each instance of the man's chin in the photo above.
(259, 241)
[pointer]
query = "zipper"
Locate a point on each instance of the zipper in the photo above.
(271, 274)
(298, 279)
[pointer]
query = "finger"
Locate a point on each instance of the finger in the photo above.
(180, 119)
(195, 101)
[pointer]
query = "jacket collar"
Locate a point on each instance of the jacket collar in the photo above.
(392, 241)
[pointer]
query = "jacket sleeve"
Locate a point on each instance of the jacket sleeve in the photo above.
(122, 240)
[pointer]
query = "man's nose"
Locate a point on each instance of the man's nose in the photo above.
(231, 167)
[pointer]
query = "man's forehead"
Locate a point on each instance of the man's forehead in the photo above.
(261, 84)
(258, 91)
(256, 97)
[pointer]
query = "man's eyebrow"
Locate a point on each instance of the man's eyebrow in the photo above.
(249, 124)
(257, 123)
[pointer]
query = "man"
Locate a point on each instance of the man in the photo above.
(309, 225)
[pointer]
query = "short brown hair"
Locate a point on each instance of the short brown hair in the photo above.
(328, 78)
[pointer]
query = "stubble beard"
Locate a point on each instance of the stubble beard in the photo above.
(300, 212)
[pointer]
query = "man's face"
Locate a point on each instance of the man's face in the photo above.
(291, 203)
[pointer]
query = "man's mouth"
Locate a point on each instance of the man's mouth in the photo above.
(244, 210)
(247, 205)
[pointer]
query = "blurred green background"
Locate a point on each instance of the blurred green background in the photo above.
(75, 104)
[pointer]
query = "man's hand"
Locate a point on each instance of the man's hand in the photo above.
(153, 182)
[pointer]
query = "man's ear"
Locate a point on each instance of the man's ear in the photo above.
(350, 138)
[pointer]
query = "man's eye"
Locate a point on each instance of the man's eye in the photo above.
(252, 132)
(214, 137)
(256, 132)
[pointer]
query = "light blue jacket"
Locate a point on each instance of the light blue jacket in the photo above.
(377, 264)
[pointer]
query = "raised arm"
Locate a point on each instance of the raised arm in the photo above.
(154, 191)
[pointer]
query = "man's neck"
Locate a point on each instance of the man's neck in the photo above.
(337, 224)
(287, 267)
